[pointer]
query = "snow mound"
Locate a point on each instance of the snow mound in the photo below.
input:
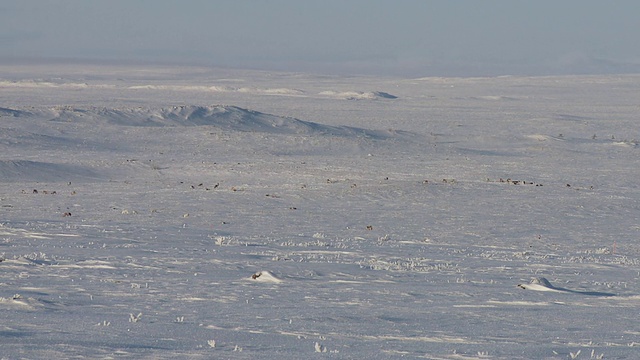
(224, 117)
(357, 95)
(539, 284)
(265, 277)
(25, 170)
(538, 137)
(493, 97)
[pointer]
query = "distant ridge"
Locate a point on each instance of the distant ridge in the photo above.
(358, 95)
(221, 116)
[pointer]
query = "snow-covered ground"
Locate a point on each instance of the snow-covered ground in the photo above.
(198, 213)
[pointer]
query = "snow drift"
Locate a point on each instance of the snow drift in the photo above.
(25, 170)
(12, 112)
(542, 284)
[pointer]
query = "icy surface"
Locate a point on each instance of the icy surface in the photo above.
(198, 213)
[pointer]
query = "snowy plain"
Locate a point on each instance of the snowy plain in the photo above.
(181, 212)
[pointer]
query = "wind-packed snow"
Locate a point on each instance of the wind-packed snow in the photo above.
(197, 213)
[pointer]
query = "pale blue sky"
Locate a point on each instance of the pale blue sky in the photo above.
(403, 37)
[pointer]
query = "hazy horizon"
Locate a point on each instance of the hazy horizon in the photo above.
(409, 38)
